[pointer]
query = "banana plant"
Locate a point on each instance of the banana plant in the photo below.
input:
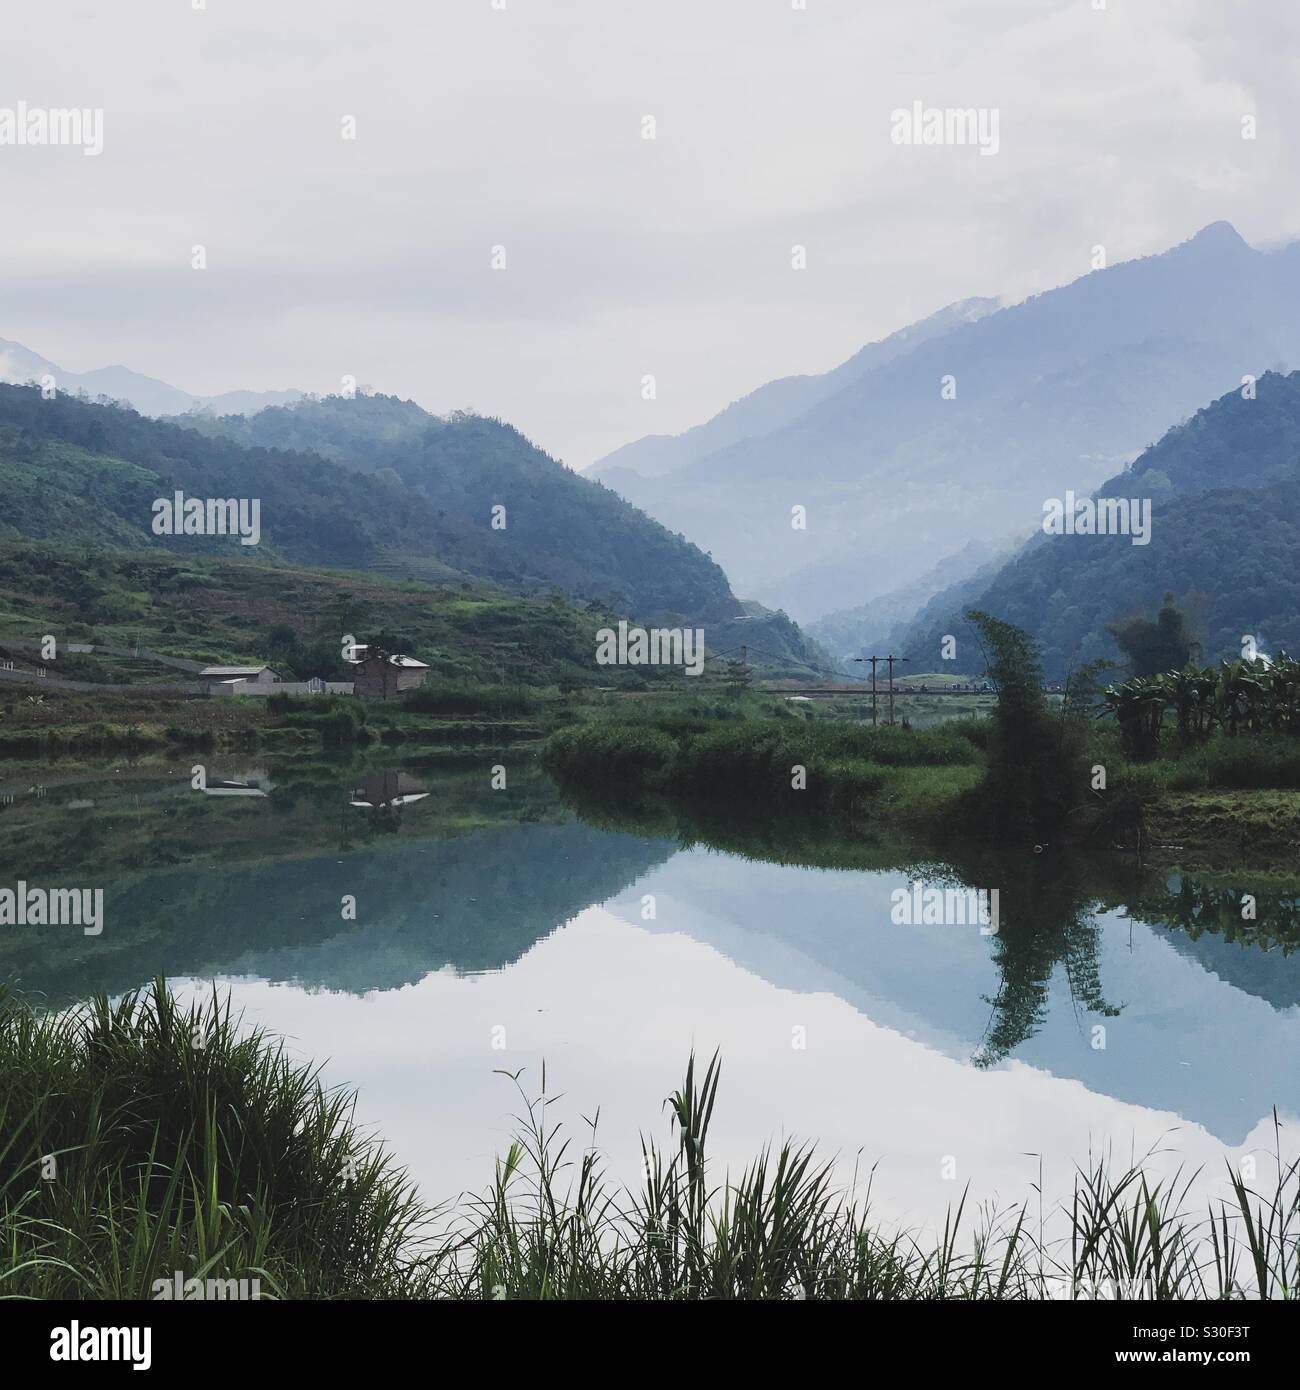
(1191, 692)
(1249, 694)
(1139, 709)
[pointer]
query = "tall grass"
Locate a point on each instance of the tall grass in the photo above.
(552, 1227)
(138, 1138)
(182, 1143)
(448, 698)
(767, 764)
(1264, 760)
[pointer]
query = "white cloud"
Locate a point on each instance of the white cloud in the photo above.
(478, 127)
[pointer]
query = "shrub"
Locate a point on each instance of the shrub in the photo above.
(225, 1156)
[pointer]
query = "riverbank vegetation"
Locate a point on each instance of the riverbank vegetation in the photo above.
(782, 765)
(1038, 770)
(144, 1139)
(1247, 698)
(141, 1138)
(72, 725)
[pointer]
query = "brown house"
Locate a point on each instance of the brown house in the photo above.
(381, 676)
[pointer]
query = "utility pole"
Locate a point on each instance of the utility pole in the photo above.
(872, 660)
(889, 660)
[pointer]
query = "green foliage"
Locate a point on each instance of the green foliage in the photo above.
(612, 754)
(1034, 779)
(1155, 646)
(184, 1142)
(227, 1161)
(1225, 536)
(1250, 696)
(465, 697)
(850, 770)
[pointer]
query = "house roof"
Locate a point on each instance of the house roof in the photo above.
(220, 671)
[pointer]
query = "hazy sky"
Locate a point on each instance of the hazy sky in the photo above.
(522, 127)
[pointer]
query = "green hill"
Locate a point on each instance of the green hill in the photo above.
(1225, 541)
(214, 609)
(83, 478)
(72, 472)
(371, 483)
(560, 528)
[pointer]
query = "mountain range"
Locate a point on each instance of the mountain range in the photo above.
(369, 483)
(867, 629)
(957, 429)
(20, 366)
(1224, 489)
(777, 404)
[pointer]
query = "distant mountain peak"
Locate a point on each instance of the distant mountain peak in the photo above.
(968, 310)
(145, 394)
(1217, 236)
(777, 403)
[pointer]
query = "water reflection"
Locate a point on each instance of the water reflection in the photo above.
(585, 933)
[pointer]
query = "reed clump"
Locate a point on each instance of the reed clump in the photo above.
(139, 1138)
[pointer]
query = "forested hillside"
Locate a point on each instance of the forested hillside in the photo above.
(1225, 541)
(556, 526)
(368, 485)
(76, 473)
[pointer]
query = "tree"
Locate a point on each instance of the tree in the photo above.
(1034, 777)
(282, 644)
(1153, 647)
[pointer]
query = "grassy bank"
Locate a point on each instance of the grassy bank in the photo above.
(141, 1140)
(1229, 795)
(1035, 772)
(73, 725)
(787, 766)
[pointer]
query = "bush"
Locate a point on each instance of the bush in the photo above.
(223, 1156)
(599, 754)
(467, 698)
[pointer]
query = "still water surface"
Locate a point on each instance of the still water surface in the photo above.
(499, 931)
